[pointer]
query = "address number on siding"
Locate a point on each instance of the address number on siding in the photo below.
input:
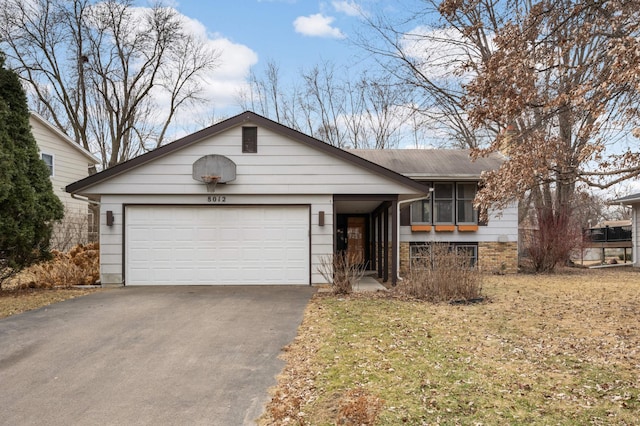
(217, 199)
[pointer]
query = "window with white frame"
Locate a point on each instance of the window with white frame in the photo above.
(420, 254)
(465, 193)
(470, 251)
(48, 160)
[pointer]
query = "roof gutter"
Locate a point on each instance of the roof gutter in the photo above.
(86, 200)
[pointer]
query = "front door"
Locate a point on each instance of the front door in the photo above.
(352, 237)
(356, 228)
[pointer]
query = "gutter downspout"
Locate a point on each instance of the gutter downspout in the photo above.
(86, 200)
(400, 203)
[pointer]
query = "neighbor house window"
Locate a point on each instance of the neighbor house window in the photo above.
(48, 160)
(466, 192)
(443, 202)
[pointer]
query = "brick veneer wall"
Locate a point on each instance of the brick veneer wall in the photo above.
(491, 257)
(498, 257)
(404, 258)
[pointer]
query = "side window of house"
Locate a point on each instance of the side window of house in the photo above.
(420, 254)
(421, 211)
(48, 160)
(249, 140)
(466, 192)
(443, 202)
(470, 251)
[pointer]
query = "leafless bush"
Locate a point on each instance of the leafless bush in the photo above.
(71, 231)
(443, 275)
(80, 266)
(342, 271)
(555, 239)
(6, 273)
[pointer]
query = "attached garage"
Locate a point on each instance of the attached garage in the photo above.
(246, 201)
(213, 244)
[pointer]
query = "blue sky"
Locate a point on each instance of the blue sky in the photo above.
(295, 34)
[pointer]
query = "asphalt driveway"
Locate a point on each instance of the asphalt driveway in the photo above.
(148, 355)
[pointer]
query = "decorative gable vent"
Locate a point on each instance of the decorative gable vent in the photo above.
(214, 169)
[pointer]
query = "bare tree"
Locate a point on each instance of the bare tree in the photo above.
(266, 95)
(386, 112)
(432, 60)
(553, 84)
(364, 112)
(327, 99)
(562, 81)
(96, 68)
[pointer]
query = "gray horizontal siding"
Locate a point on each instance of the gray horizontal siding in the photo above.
(280, 166)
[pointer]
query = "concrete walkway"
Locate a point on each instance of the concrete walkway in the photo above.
(368, 284)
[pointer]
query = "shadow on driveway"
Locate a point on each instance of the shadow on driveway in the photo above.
(148, 355)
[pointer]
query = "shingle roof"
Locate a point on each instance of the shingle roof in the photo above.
(629, 199)
(437, 164)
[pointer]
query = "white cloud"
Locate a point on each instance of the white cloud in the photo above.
(349, 8)
(440, 53)
(317, 25)
(220, 85)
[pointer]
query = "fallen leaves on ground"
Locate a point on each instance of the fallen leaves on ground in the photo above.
(545, 349)
(16, 301)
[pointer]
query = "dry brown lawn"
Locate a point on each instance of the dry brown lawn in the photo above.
(16, 301)
(544, 349)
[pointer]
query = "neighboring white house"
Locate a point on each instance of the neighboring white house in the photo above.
(633, 200)
(67, 162)
(283, 202)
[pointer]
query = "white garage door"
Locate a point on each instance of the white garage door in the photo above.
(188, 245)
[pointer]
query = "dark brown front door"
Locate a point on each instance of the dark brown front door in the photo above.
(356, 228)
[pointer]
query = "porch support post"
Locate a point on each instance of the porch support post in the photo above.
(394, 242)
(372, 241)
(379, 243)
(335, 230)
(385, 269)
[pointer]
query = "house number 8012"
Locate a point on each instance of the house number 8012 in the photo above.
(216, 199)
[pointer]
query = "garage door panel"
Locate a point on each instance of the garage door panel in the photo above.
(217, 245)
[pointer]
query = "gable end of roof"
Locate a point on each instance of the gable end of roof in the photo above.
(240, 119)
(92, 158)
